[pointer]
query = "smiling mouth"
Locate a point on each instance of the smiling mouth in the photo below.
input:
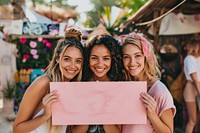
(99, 70)
(71, 71)
(133, 68)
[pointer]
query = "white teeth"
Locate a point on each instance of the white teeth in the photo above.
(132, 68)
(71, 71)
(99, 70)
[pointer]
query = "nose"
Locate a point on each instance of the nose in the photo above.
(73, 64)
(100, 62)
(132, 61)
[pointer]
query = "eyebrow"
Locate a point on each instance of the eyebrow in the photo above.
(71, 57)
(107, 56)
(134, 53)
(103, 56)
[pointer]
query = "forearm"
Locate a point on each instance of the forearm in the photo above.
(159, 126)
(112, 128)
(197, 86)
(196, 82)
(79, 129)
(30, 125)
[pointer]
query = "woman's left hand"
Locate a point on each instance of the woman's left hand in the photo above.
(149, 103)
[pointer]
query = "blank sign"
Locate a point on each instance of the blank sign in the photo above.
(83, 103)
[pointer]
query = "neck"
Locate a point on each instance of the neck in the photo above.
(105, 78)
(140, 77)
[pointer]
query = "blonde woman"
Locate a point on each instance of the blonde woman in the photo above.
(141, 64)
(35, 110)
(192, 87)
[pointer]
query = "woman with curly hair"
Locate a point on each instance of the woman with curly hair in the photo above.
(103, 62)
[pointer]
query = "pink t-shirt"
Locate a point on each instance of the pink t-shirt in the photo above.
(164, 101)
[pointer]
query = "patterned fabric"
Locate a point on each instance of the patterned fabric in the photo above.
(95, 129)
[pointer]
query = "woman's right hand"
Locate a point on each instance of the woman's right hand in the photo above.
(47, 102)
(150, 104)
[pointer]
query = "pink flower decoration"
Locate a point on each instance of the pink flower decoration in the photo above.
(35, 56)
(40, 39)
(33, 51)
(30, 69)
(44, 41)
(33, 44)
(48, 45)
(22, 40)
(26, 56)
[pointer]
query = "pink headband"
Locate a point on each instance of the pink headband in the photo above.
(146, 45)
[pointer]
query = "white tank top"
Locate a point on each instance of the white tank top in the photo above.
(43, 128)
(198, 67)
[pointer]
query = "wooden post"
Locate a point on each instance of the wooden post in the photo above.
(156, 28)
(17, 10)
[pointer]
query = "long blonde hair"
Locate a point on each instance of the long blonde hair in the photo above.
(151, 67)
(72, 39)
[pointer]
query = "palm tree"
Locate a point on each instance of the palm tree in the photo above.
(102, 13)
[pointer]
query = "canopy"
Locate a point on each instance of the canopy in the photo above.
(177, 24)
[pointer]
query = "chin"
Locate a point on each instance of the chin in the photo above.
(134, 74)
(68, 78)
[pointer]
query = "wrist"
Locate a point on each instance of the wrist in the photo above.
(152, 115)
(45, 117)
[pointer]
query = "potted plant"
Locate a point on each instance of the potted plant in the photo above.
(9, 94)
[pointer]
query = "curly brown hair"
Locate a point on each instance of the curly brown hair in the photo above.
(115, 73)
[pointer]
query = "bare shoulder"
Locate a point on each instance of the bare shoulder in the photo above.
(40, 84)
(32, 98)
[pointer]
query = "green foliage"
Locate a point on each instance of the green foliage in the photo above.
(92, 19)
(99, 4)
(9, 90)
(4, 2)
(131, 5)
(102, 11)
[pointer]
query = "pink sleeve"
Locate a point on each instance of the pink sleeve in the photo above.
(164, 99)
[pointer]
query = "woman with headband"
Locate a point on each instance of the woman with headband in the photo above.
(141, 64)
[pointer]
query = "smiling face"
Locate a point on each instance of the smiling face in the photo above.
(133, 60)
(71, 63)
(100, 62)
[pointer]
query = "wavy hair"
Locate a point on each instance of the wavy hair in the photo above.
(53, 71)
(115, 73)
(72, 39)
(151, 67)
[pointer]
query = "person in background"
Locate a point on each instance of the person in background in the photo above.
(192, 87)
(103, 62)
(66, 66)
(141, 64)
